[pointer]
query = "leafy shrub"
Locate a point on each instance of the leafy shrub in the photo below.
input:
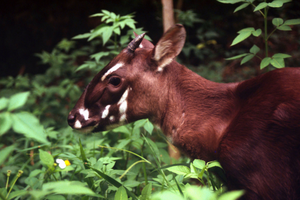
(49, 160)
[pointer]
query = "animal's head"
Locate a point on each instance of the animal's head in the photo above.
(131, 87)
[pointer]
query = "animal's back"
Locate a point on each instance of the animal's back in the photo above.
(260, 150)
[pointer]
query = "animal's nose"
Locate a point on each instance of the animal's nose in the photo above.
(71, 120)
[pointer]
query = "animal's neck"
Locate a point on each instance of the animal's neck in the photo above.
(197, 112)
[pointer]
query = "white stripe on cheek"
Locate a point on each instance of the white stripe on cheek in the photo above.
(111, 70)
(77, 125)
(105, 111)
(84, 113)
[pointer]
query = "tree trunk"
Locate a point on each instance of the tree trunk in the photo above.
(168, 21)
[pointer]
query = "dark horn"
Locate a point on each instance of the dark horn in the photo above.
(135, 43)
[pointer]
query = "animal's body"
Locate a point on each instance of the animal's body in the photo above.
(251, 127)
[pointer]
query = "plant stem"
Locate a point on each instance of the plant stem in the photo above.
(144, 165)
(266, 32)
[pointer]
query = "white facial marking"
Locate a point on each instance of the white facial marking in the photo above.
(112, 118)
(114, 68)
(123, 105)
(123, 117)
(77, 125)
(84, 113)
(105, 111)
(141, 46)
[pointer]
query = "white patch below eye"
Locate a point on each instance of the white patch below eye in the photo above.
(123, 107)
(122, 118)
(85, 113)
(111, 70)
(105, 111)
(141, 46)
(77, 124)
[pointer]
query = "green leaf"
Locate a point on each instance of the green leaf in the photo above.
(247, 58)
(231, 1)
(82, 36)
(281, 55)
(4, 153)
(232, 195)
(99, 55)
(260, 6)
(17, 100)
(68, 187)
(121, 194)
(284, 28)
(17, 193)
(277, 62)
(113, 182)
(292, 22)
(181, 170)
(275, 4)
(254, 49)
(265, 62)
(46, 158)
(236, 57)
(199, 163)
(3, 103)
(106, 35)
(257, 32)
(214, 164)
(244, 5)
(277, 21)
(148, 127)
(241, 37)
(5, 122)
(146, 192)
(27, 124)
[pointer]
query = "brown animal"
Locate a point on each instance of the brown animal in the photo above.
(251, 127)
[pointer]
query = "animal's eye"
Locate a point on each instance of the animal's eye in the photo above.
(115, 81)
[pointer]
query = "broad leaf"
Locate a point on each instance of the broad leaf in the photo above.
(146, 192)
(4, 153)
(257, 32)
(260, 6)
(46, 158)
(275, 4)
(232, 195)
(68, 187)
(244, 5)
(27, 124)
(17, 100)
(241, 37)
(281, 55)
(3, 103)
(182, 170)
(265, 62)
(277, 21)
(121, 194)
(284, 28)
(292, 22)
(247, 58)
(277, 62)
(5, 122)
(254, 49)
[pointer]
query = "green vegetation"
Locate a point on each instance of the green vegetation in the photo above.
(129, 162)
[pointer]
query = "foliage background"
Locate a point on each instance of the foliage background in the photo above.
(39, 85)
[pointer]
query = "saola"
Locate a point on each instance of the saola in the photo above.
(251, 127)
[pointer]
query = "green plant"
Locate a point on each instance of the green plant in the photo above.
(276, 60)
(127, 162)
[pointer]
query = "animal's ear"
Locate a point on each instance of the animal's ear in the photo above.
(145, 43)
(169, 46)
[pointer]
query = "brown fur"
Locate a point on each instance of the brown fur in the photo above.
(251, 127)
